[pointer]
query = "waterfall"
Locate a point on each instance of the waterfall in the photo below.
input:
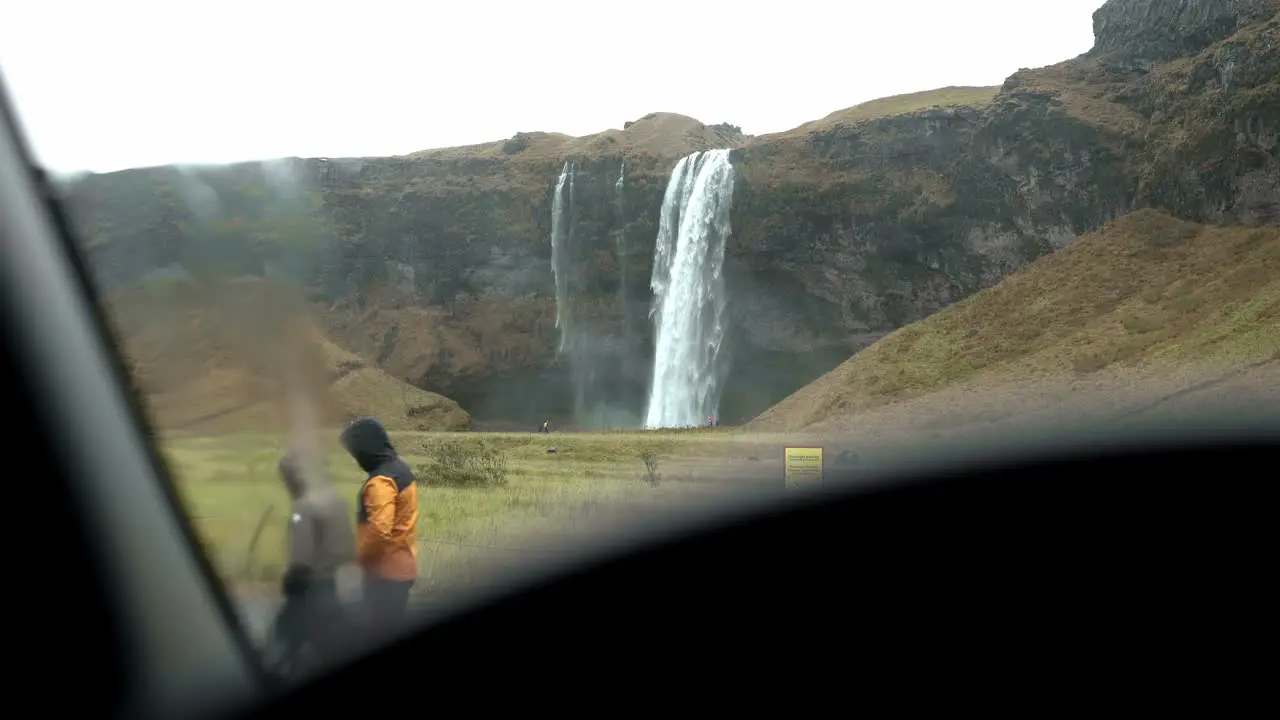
(623, 252)
(688, 291)
(575, 343)
(561, 228)
(631, 360)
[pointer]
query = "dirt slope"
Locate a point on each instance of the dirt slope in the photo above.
(226, 356)
(1148, 301)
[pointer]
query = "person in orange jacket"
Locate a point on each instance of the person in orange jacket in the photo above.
(386, 521)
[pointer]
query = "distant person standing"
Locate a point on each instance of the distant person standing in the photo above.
(546, 427)
(386, 521)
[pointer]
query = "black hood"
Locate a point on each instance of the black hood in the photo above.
(367, 441)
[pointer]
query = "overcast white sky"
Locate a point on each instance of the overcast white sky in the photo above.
(108, 84)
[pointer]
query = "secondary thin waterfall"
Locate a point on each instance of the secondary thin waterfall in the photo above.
(561, 227)
(688, 290)
(620, 245)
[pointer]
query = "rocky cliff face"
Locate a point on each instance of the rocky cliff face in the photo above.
(1211, 145)
(1159, 30)
(438, 264)
(849, 231)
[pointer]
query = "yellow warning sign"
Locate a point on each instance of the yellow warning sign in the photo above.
(804, 466)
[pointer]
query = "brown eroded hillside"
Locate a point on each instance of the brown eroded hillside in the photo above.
(1146, 291)
(226, 356)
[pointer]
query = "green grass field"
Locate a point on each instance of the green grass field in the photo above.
(230, 487)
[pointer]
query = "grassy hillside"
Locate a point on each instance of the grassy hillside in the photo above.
(660, 133)
(1146, 290)
(900, 105)
(216, 357)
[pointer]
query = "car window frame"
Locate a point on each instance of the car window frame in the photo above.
(184, 635)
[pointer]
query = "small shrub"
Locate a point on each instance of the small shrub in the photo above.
(345, 368)
(650, 460)
(453, 463)
(516, 144)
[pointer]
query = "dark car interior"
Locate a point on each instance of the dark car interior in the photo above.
(1101, 554)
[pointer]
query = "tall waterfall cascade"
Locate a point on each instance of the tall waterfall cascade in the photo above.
(561, 230)
(689, 298)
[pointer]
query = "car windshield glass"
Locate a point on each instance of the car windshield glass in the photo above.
(422, 299)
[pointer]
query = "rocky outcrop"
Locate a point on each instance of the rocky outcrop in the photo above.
(1151, 31)
(1212, 144)
(437, 264)
(850, 231)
